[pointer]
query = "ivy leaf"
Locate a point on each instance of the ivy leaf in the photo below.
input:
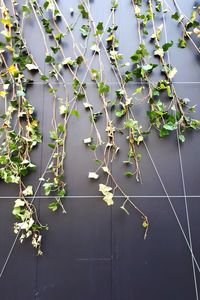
(53, 206)
(157, 34)
(103, 88)
(87, 140)
(106, 191)
(47, 188)
(106, 170)
(172, 73)
(168, 45)
(63, 109)
(53, 135)
(99, 29)
(52, 146)
(182, 43)
(83, 11)
(104, 188)
(170, 126)
(95, 48)
(175, 16)
(61, 128)
(49, 59)
(26, 9)
(28, 191)
(6, 22)
(138, 90)
(87, 105)
(44, 77)
(75, 113)
(85, 29)
(128, 174)
(159, 52)
(59, 36)
(93, 175)
(181, 138)
(55, 49)
(68, 61)
(12, 69)
(149, 67)
(140, 54)
(3, 93)
(31, 67)
(114, 4)
(145, 224)
(79, 60)
(130, 123)
(163, 132)
(120, 113)
(95, 74)
(20, 93)
(19, 203)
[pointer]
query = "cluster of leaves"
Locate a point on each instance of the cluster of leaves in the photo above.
(19, 129)
(191, 26)
(168, 112)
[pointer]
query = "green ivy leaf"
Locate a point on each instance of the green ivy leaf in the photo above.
(47, 187)
(170, 126)
(83, 11)
(53, 206)
(175, 16)
(85, 29)
(181, 138)
(26, 9)
(128, 174)
(130, 123)
(120, 113)
(168, 45)
(163, 132)
(75, 113)
(53, 135)
(182, 43)
(49, 59)
(99, 29)
(103, 88)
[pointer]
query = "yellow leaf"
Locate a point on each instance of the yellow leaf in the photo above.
(34, 123)
(145, 224)
(108, 199)
(6, 22)
(3, 93)
(12, 69)
(10, 48)
(108, 195)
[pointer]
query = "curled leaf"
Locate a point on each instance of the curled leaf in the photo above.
(93, 175)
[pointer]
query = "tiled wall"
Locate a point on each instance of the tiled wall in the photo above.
(95, 252)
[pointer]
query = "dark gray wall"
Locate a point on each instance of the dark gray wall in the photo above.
(95, 252)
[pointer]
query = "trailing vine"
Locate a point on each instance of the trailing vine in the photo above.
(20, 132)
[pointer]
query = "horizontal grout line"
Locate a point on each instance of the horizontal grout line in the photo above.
(109, 82)
(129, 196)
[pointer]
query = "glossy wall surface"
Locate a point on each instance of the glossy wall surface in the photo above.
(96, 252)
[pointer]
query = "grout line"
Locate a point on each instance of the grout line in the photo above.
(110, 82)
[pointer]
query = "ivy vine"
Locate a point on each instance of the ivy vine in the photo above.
(20, 128)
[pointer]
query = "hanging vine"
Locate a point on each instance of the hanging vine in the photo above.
(20, 132)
